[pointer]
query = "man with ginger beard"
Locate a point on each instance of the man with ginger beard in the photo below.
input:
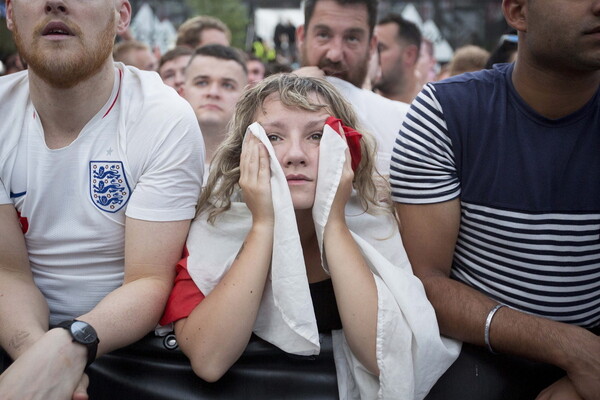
(337, 41)
(95, 202)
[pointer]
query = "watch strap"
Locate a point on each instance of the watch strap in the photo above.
(92, 347)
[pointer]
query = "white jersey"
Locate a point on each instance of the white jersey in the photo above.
(141, 156)
(380, 116)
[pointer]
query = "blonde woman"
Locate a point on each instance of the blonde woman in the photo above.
(284, 248)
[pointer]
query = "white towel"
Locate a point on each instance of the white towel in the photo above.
(411, 355)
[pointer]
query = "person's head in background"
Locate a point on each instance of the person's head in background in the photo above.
(256, 69)
(202, 30)
(399, 46)
(214, 80)
(427, 63)
(337, 36)
(13, 63)
(171, 67)
(373, 72)
(134, 53)
(277, 68)
(468, 59)
(506, 51)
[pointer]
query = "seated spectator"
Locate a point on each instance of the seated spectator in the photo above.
(214, 80)
(101, 167)
(202, 30)
(136, 54)
(280, 195)
(496, 175)
(172, 66)
(256, 69)
(468, 59)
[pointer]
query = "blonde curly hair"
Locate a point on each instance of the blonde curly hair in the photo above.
(293, 91)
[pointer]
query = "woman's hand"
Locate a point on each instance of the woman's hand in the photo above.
(255, 179)
(350, 274)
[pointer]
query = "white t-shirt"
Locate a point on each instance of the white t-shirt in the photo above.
(142, 155)
(380, 116)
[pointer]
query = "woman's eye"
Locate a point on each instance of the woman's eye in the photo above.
(316, 136)
(273, 138)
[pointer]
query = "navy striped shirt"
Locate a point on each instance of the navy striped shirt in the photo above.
(529, 189)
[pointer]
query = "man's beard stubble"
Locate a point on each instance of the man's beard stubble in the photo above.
(355, 75)
(67, 68)
(392, 81)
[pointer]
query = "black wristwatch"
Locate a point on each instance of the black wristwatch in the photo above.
(85, 334)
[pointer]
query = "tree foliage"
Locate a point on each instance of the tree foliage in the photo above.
(233, 13)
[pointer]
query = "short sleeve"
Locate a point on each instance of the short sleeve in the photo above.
(4, 195)
(423, 168)
(184, 297)
(170, 183)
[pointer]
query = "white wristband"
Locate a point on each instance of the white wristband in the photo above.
(488, 323)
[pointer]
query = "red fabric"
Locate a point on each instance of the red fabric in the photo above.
(352, 137)
(24, 223)
(185, 295)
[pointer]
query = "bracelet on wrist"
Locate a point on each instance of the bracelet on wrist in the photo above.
(488, 323)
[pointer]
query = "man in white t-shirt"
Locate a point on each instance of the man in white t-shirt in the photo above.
(215, 77)
(100, 169)
(337, 41)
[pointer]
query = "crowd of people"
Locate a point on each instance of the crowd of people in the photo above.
(194, 225)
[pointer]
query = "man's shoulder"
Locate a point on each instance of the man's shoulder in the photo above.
(471, 93)
(478, 80)
(14, 91)
(14, 99)
(366, 99)
(146, 96)
(13, 79)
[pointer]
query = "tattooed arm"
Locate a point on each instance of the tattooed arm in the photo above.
(23, 309)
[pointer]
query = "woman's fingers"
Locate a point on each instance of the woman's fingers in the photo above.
(264, 168)
(255, 174)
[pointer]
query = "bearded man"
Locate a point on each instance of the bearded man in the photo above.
(100, 169)
(337, 41)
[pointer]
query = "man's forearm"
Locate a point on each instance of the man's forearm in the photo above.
(23, 312)
(128, 313)
(462, 312)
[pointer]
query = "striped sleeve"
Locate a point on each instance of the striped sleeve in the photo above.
(423, 169)
(541, 263)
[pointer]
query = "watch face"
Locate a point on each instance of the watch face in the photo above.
(83, 332)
